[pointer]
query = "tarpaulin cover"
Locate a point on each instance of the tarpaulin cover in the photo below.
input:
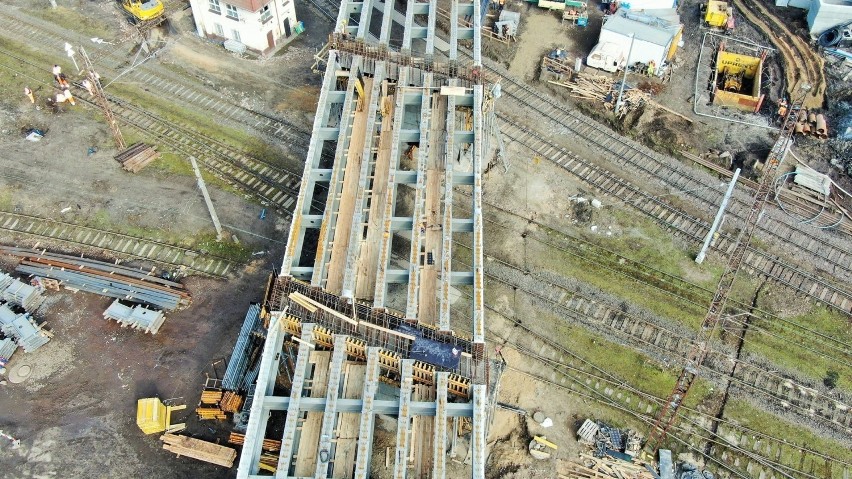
(431, 351)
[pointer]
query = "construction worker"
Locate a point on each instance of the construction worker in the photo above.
(501, 5)
(88, 86)
(57, 70)
(29, 94)
(782, 108)
(65, 95)
(652, 67)
(63, 81)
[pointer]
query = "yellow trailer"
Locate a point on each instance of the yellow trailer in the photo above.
(153, 416)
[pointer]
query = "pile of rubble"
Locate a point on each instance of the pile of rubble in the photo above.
(606, 440)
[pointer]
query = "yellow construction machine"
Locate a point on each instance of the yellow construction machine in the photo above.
(141, 11)
(718, 15)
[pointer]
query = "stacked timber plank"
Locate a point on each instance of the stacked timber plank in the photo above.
(137, 317)
(198, 449)
(604, 89)
(209, 407)
(106, 279)
(231, 402)
(246, 343)
(21, 294)
(590, 467)
(23, 329)
(269, 445)
(137, 156)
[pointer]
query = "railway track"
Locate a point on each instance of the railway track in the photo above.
(687, 226)
(15, 25)
(670, 346)
(117, 244)
(601, 258)
(735, 450)
(273, 186)
(629, 156)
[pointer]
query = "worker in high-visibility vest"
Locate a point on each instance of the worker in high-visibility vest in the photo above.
(29, 94)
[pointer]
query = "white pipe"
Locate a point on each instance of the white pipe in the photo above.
(700, 258)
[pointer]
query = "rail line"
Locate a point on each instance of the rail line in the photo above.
(684, 225)
(626, 152)
(572, 372)
(735, 450)
(292, 136)
(810, 405)
(272, 185)
(118, 244)
(594, 254)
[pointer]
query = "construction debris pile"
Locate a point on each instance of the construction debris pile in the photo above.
(610, 441)
(105, 279)
(604, 89)
(137, 317)
(593, 467)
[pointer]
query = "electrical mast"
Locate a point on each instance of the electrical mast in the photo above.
(698, 352)
(100, 97)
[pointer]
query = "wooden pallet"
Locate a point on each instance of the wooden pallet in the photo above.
(207, 413)
(137, 156)
(211, 396)
(198, 449)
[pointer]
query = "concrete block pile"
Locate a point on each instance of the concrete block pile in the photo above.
(22, 329)
(137, 317)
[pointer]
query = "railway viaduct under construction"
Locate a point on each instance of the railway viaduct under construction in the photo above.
(365, 313)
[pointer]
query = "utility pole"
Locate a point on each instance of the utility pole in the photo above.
(101, 98)
(203, 187)
(624, 78)
(700, 258)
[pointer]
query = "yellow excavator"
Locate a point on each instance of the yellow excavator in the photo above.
(142, 11)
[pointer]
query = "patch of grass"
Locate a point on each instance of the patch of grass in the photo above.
(72, 20)
(786, 350)
(227, 249)
(199, 121)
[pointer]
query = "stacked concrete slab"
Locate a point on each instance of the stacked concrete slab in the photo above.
(23, 329)
(137, 317)
(20, 294)
(7, 348)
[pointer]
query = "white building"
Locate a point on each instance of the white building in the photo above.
(644, 35)
(259, 25)
(825, 14)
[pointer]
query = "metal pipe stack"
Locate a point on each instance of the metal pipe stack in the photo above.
(137, 317)
(106, 279)
(237, 366)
